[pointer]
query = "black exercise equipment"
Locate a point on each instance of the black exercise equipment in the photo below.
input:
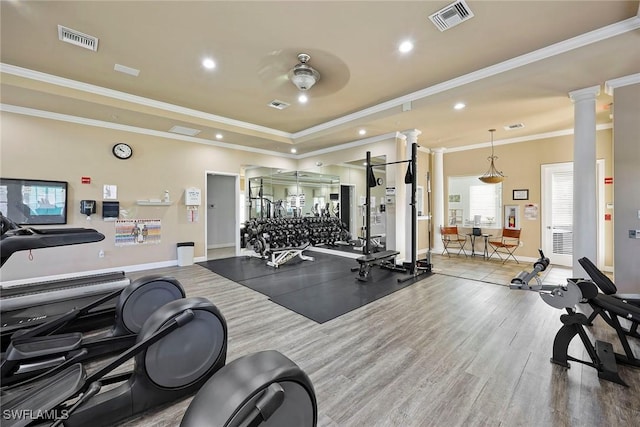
(26, 306)
(32, 304)
(261, 389)
(36, 350)
(387, 259)
(179, 348)
(601, 354)
(15, 238)
(603, 282)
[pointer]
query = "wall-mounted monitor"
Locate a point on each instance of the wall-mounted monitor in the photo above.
(34, 201)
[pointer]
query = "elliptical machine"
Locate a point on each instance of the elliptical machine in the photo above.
(39, 349)
(179, 347)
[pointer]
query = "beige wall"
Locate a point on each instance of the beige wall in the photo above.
(48, 149)
(521, 164)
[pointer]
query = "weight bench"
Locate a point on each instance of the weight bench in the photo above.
(384, 258)
(282, 255)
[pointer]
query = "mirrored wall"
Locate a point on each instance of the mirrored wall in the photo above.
(328, 191)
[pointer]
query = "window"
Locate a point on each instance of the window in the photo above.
(473, 203)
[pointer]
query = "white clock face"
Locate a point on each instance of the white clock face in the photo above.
(122, 151)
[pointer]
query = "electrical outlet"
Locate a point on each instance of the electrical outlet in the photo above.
(101, 254)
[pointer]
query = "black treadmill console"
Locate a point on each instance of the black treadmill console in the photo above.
(26, 238)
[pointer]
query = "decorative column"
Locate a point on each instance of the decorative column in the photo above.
(412, 137)
(437, 199)
(585, 225)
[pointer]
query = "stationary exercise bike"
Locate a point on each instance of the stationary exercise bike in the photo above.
(40, 349)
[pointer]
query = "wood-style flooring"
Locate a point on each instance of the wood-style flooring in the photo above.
(446, 351)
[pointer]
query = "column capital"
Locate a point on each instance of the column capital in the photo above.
(412, 133)
(585, 94)
(438, 150)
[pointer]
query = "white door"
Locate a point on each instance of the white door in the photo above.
(557, 213)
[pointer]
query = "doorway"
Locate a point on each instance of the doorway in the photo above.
(347, 212)
(557, 212)
(222, 226)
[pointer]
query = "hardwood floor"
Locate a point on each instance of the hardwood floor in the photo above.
(446, 351)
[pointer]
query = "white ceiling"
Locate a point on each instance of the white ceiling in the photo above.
(513, 62)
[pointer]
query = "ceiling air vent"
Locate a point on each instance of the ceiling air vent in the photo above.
(514, 126)
(451, 15)
(77, 38)
(279, 105)
(183, 130)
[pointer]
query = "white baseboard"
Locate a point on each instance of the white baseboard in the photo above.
(221, 245)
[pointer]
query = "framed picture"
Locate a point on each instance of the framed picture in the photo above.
(454, 198)
(521, 194)
(512, 217)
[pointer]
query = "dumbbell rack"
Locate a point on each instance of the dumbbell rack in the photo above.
(282, 239)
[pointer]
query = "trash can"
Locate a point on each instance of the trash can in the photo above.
(185, 253)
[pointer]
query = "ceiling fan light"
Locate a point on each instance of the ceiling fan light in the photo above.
(303, 81)
(303, 76)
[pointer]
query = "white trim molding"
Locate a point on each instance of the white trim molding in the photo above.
(612, 84)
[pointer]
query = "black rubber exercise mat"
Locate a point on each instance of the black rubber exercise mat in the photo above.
(328, 300)
(320, 290)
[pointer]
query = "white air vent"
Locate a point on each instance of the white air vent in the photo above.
(77, 38)
(182, 130)
(279, 105)
(127, 70)
(451, 15)
(514, 126)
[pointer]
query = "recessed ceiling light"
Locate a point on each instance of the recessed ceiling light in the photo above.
(405, 46)
(294, 151)
(362, 132)
(459, 106)
(208, 63)
(218, 136)
(303, 98)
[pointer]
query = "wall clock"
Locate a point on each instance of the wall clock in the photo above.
(122, 151)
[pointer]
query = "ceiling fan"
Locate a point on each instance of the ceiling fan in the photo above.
(285, 79)
(302, 75)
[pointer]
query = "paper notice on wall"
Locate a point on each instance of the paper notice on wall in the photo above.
(531, 211)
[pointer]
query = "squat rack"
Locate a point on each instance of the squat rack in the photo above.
(409, 178)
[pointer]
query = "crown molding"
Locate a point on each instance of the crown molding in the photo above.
(612, 84)
(134, 99)
(492, 70)
(353, 144)
(536, 137)
(133, 129)
(519, 61)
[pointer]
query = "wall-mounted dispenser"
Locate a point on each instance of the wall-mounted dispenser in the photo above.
(110, 211)
(87, 207)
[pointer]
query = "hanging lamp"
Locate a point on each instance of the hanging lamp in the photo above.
(492, 176)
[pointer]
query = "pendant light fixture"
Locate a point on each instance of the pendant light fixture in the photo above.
(492, 176)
